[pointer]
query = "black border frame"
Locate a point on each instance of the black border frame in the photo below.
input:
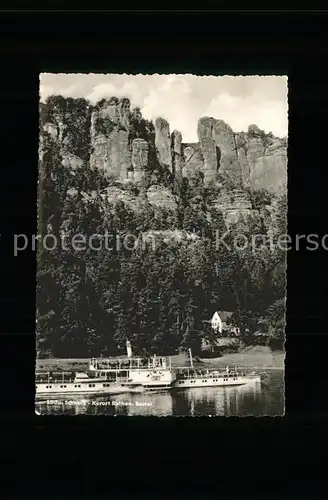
(276, 452)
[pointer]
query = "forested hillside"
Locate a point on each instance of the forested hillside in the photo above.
(158, 293)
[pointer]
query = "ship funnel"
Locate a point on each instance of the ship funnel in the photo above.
(129, 349)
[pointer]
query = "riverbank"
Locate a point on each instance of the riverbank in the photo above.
(252, 357)
(257, 357)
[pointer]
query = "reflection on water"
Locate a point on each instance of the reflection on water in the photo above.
(254, 399)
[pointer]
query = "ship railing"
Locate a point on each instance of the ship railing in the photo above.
(121, 365)
(217, 374)
(100, 364)
(54, 377)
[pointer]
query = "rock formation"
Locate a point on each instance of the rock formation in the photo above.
(176, 148)
(110, 149)
(226, 144)
(228, 163)
(219, 151)
(140, 149)
(193, 160)
(163, 143)
(235, 206)
(209, 149)
(161, 197)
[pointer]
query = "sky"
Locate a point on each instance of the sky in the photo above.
(182, 99)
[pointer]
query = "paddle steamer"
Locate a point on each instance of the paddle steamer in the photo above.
(189, 377)
(70, 384)
(150, 373)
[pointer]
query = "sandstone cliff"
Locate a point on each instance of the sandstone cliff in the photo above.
(115, 140)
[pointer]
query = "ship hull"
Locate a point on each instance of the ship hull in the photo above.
(159, 387)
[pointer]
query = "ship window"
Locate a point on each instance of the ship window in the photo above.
(90, 385)
(79, 386)
(75, 385)
(205, 380)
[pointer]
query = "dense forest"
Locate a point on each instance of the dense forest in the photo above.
(89, 302)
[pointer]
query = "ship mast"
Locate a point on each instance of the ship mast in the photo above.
(191, 361)
(128, 349)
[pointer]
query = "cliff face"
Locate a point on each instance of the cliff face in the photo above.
(109, 133)
(115, 140)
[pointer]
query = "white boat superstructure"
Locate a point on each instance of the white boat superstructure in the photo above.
(68, 384)
(215, 379)
(154, 373)
(151, 373)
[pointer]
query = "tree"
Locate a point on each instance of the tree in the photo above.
(275, 324)
(260, 198)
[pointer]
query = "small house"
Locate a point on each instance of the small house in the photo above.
(227, 328)
(225, 334)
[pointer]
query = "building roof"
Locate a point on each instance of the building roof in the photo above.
(224, 315)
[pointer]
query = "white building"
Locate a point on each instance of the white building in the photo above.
(216, 322)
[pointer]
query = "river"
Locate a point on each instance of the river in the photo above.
(254, 399)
